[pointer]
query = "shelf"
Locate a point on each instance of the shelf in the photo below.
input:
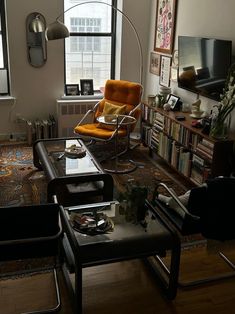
(185, 148)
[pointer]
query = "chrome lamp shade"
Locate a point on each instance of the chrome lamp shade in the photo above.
(56, 30)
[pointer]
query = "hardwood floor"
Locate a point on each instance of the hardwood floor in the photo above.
(128, 287)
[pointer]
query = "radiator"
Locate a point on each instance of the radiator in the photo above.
(69, 113)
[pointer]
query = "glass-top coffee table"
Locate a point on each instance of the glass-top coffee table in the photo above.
(126, 241)
(69, 177)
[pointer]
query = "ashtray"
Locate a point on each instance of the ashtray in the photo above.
(75, 152)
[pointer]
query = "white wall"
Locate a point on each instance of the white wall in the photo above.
(36, 89)
(210, 18)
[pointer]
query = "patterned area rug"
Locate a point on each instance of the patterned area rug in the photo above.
(22, 183)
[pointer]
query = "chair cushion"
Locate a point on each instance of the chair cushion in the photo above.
(111, 109)
(92, 130)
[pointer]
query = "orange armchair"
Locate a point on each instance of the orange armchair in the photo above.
(121, 97)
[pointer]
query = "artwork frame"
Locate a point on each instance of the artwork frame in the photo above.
(173, 100)
(165, 71)
(165, 26)
(155, 62)
(72, 89)
(87, 87)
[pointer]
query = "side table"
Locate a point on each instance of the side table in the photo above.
(126, 241)
(119, 121)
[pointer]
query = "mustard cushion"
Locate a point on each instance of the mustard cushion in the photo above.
(92, 130)
(111, 109)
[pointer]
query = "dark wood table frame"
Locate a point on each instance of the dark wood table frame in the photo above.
(42, 161)
(118, 250)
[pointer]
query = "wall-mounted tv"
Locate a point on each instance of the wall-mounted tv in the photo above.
(203, 65)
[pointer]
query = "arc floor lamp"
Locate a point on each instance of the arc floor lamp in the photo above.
(58, 30)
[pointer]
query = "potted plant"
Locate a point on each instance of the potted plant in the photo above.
(221, 119)
(132, 202)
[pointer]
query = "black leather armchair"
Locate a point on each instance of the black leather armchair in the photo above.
(31, 232)
(210, 212)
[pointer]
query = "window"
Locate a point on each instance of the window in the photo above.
(3, 53)
(89, 51)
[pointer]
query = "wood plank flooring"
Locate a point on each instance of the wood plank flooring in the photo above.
(127, 287)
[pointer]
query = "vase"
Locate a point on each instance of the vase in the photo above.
(220, 129)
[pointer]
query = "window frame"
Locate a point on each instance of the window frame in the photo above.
(111, 34)
(4, 42)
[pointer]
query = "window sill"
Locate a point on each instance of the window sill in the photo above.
(83, 97)
(7, 98)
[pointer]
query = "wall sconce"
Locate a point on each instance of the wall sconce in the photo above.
(36, 42)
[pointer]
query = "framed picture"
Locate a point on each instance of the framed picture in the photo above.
(173, 101)
(165, 26)
(165, 71)
(87, 87)
(72, 89)
(155, 59)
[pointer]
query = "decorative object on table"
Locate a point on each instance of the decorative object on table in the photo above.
(165, 25)
(75, 152)
(196, 112)
(221, 117)
(167, 106)
(132, 202)
(185, 107)
(152, 100)
(72, 89)
(164, 92)
(87, 87)
(165, 70)
(174, 102)
(155, 60)
(160, 100)
(91, 223)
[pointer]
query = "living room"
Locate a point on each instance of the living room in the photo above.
(34, 93)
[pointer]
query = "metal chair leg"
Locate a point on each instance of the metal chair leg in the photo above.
(198, 282)
(58, 299)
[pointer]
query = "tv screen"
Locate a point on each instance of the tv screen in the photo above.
(203, 65)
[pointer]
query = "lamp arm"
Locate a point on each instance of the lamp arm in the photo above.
(129, 21)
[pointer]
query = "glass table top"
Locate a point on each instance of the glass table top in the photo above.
(65, 165)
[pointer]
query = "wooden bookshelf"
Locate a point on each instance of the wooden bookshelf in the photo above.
(185, 148)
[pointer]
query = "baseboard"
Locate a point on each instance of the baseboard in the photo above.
(13, 137)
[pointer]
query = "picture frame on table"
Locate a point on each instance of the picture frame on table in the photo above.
(72, 89)
(173, 101)
(155, 61)
(165, 71)
(87, 87)
(165, 26)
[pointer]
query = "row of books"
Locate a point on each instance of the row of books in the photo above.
(188, 163)
(148, 114)
(205, 148)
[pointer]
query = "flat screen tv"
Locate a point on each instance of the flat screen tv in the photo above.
(203, 65)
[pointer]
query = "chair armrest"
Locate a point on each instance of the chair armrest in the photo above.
(32, 240)
(133, 110)
(177, 200)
